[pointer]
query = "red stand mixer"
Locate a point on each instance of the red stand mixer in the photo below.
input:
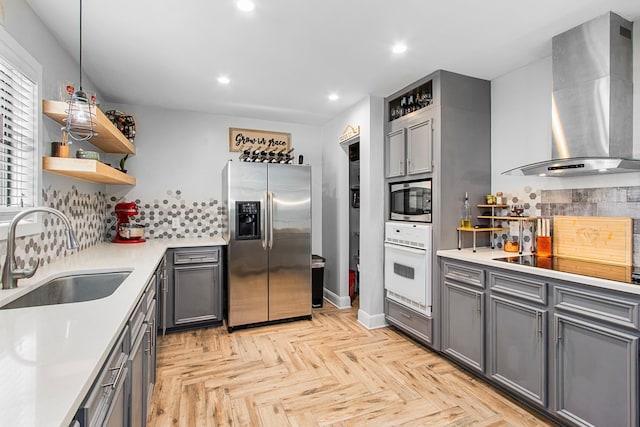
(127, 232)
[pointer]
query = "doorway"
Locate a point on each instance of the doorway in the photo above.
(354, 221)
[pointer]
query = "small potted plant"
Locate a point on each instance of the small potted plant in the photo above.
(122, 162)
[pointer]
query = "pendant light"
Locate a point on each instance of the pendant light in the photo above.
(79, 124)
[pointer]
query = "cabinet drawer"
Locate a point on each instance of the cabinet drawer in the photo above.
(196, 256)
(408, 320)
(464, 273)
(150, 293)
(137, 317)
(518, 286)
(605, 307)
(113, 373)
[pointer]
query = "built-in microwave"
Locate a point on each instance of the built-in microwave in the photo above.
(410, 201)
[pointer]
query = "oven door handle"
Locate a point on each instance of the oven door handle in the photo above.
(405, 249)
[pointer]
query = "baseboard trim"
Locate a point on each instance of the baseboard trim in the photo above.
(372, 322)
(336, 300)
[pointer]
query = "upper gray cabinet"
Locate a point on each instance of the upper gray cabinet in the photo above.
(409, 150)
(409, 137)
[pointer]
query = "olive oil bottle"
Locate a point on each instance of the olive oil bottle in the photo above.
(465, 214)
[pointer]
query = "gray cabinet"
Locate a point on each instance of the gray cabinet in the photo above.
(195, 287)
(463, 324)
(162, 287)
(517, 335)
(570, 349)
(413, 323)
(137, 374)
(445, 138)
(463, 312)
(596, 360)
(518, 348)
(395, 153)
(106, 403)
(409, 150)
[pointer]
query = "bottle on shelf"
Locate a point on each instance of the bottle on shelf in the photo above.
(465, 217)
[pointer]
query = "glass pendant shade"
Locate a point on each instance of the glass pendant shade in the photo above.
(80, 124)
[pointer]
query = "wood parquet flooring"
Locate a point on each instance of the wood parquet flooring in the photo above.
(330, 371)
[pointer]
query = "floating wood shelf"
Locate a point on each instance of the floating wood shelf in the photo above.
(86, 169)
(109, 138)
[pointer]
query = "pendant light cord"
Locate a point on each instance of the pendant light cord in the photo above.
(80, 44)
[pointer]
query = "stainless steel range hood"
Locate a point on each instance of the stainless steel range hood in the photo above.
(592, 101)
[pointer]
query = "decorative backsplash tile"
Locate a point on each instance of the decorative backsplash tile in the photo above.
(87, 213)
(172, 217)
(616, 201)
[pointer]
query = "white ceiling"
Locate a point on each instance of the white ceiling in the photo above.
(286, 56)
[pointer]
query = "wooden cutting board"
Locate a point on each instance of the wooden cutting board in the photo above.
(594, 238)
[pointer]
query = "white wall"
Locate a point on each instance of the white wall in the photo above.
(521, 128)
(57, 65)
(186, 151)
(368, 114)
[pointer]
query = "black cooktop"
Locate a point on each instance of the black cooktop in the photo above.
(618, 273)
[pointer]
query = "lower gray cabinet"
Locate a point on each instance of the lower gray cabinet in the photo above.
(463, 324)
(411, 322)
(518, 348)
(137, 371)
(195, 287)
(596, 374)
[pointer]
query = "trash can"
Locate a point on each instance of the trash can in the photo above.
(317, 280)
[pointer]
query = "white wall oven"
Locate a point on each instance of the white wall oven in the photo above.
(408, 265)
(410, 201)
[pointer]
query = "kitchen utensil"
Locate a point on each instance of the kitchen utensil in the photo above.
(601, 239)
(131, 231)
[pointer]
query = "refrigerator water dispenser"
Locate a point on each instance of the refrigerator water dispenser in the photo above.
(248, 220)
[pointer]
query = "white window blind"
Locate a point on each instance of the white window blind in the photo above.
(18, 119)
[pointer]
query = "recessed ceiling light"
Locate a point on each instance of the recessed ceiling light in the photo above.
(245, 5)
(333, 97)
(399, 48)
(224, 80)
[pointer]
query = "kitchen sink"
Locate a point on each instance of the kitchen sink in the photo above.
(74, 288)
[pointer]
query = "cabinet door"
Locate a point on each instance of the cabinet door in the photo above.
(196, 289)
(137, 369)
(463, 324)
(517, 348)
(117, 413)
(596, 374)
(150, 356)
(419, 146)
(395, 153)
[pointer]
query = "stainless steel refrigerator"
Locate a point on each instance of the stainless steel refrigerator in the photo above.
(269, 235)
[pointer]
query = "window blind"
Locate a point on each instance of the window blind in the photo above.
(18, 97)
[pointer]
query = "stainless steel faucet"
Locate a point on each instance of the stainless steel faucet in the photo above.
(10, 274)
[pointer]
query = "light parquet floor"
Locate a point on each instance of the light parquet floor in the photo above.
(327, 371)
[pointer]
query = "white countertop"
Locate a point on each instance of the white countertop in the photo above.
(50, 355)
(487, 256)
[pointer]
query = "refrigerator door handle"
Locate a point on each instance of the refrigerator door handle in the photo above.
(270, 220)
(263, 222)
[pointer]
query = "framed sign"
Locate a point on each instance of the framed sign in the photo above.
(251, 139)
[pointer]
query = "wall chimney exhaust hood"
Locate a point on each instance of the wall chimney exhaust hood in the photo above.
(592, 101)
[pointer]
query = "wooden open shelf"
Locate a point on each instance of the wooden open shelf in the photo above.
(86, 169)
(109, 138)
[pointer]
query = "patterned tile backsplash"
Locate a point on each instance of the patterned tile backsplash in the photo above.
(94, 222)
(172, 217)
(87, 213)
(616, 201)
